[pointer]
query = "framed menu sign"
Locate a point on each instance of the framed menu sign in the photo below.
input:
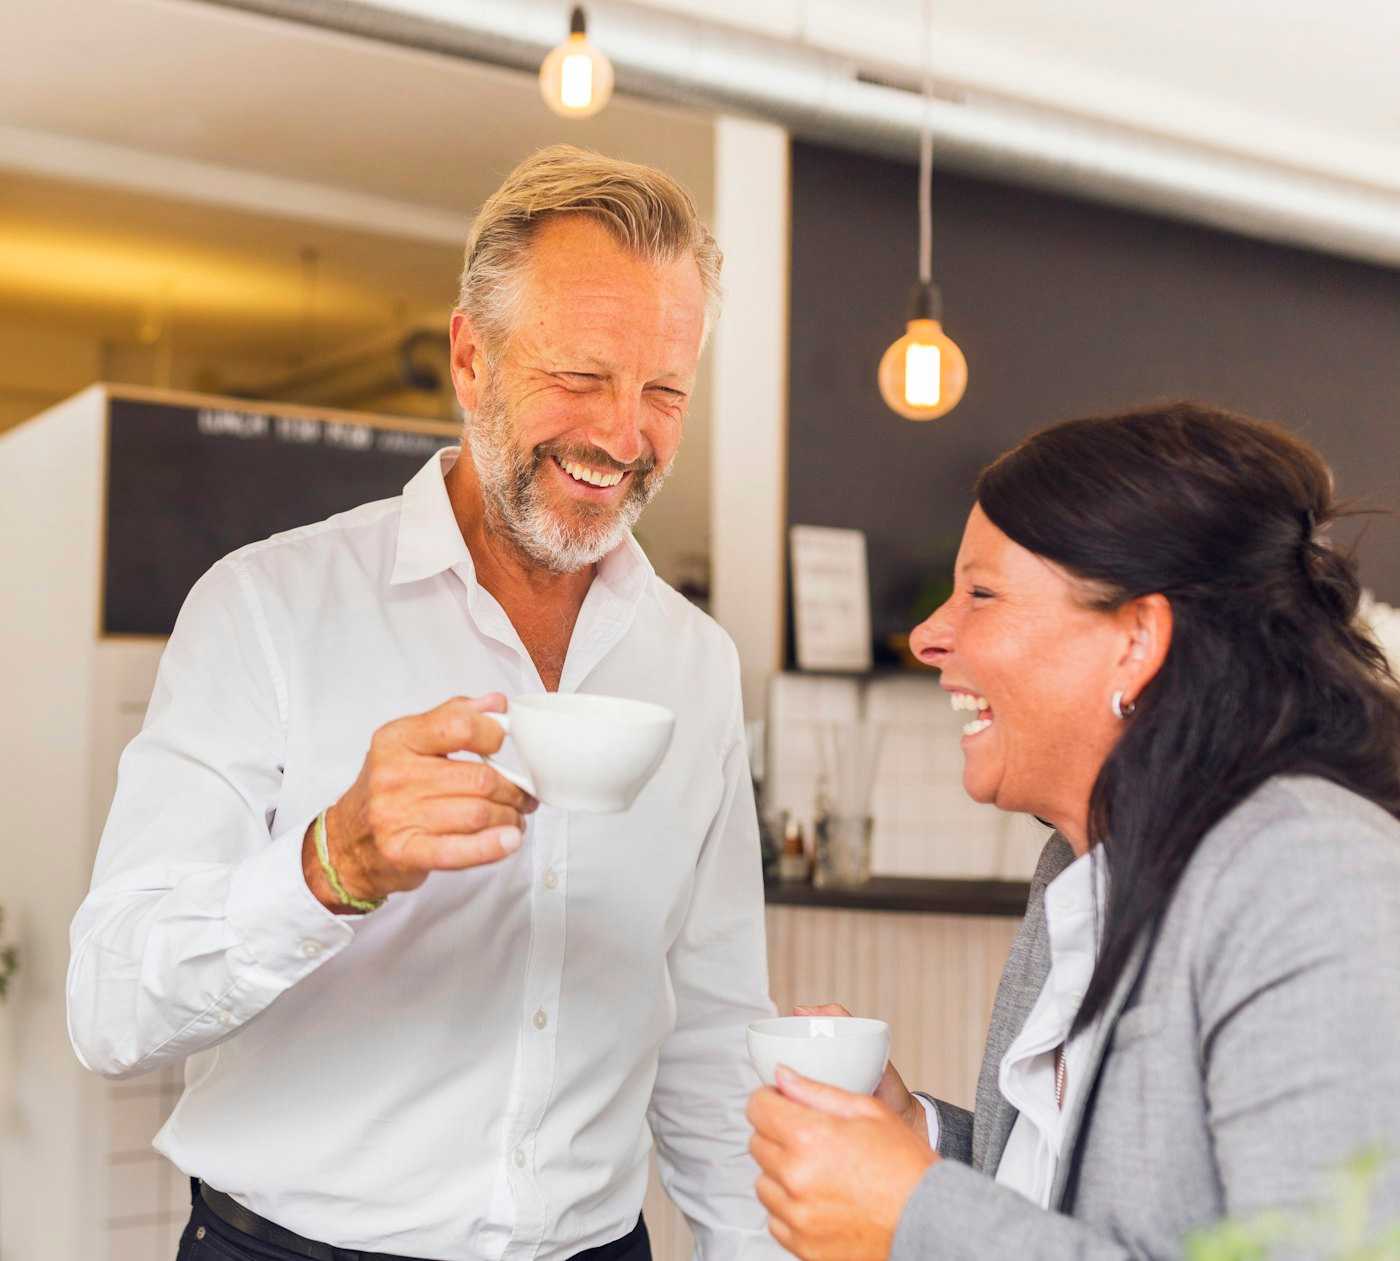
(191, 478)
(830, 598)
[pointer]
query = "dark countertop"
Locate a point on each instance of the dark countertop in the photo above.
(909, 895)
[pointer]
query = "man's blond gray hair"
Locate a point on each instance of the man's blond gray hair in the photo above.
(643, 209)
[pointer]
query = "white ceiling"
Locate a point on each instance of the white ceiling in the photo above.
(145, 139)
(1311, 85)
(1315, 86)
(165, 151)
(213, 85)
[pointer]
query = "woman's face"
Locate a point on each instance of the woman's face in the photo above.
(1035, 670)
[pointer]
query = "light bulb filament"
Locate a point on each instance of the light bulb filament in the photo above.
(922, 375)
(576, 81)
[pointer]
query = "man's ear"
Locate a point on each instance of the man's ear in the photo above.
(467, 361)
(1147, 621)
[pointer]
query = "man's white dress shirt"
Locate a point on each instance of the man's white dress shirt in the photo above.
(1074, 905)
(468, 1072)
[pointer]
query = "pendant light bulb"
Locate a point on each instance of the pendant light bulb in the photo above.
(576, 80)
(922, 376)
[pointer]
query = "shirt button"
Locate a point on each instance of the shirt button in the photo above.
(199, 1234)
(519, 1159)
(310, 949)
(541, 1019)
(551, 881)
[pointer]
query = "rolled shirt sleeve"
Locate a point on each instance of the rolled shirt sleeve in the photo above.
(198, 915)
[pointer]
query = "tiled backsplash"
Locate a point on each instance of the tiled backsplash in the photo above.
(925, 824)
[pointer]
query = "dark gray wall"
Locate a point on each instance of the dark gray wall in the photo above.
(1063, 308)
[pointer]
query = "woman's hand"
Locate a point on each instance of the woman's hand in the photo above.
(891, 1091)
(837, 1168)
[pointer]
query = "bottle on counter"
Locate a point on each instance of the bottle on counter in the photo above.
(822, 806)
(771, 829)
(793, 863)
(822, 811)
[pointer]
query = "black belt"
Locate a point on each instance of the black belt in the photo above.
(232, 1213)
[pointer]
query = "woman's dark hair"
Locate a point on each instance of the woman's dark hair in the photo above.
(1269, 671)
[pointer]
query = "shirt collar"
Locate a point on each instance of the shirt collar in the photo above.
(430, 540)
(626, 571)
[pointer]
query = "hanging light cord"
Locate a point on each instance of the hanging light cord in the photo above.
(926, 156)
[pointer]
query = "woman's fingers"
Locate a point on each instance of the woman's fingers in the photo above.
(780, 1120)
(767, 1153)
(831, 1100)
(783, 1233)
(772, 1196)
(893, 1093)
(821, 1009)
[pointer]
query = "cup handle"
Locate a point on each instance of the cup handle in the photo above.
(517, 778)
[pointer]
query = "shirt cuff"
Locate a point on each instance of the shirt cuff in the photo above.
(931, 1115)
(278, 919)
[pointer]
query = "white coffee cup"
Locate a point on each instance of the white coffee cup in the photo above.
(583, 752)
(846, 1051)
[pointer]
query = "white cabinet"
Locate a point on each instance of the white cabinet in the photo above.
(52, 1131)
(78, 1178)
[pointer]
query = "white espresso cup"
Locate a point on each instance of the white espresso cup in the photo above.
(845, 1051)
(582, 752)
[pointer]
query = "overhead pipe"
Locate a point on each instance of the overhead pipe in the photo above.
(822, 97)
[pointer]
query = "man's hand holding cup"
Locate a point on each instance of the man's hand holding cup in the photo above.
(413, 809)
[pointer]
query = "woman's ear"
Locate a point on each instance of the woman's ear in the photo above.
(1148, 623)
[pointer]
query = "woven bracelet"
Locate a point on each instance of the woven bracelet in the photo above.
(324, 854)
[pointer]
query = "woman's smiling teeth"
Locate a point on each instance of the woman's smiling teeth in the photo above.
(589, 476)
(977, 704)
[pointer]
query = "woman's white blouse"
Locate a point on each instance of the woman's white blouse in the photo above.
(1074, 903)
(1074, 914)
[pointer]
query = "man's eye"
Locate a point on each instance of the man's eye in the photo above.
(980, 593)
(666, 389)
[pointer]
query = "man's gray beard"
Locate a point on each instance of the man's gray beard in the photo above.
(517, 509)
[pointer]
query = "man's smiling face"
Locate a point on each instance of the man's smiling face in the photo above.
(577, 417)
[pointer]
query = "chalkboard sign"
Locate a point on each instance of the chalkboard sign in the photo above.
(189, 484)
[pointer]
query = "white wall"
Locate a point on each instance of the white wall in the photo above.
(51, 485)
(748, 477)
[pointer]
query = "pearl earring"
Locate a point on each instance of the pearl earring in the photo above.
(1121, 708)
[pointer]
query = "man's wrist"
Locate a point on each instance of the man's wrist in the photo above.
(328, 869)
(315, 873)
